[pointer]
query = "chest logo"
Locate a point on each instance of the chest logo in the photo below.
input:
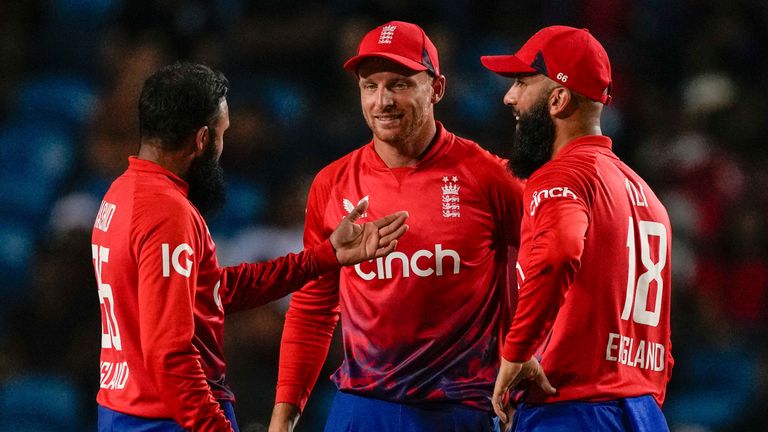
(348, 206)
(450, 198)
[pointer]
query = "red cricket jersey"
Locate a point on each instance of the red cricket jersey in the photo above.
(594, 278)
(423, 323)
(163, 298)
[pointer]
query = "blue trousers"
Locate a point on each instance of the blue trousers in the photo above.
(638, 414)
(113, 421)
(352, 413)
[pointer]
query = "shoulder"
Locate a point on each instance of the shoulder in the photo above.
(334, 171)
(165, 210)
(485, 166)
(472, 152)
(574, 167)
(563, 178)
(331, 176)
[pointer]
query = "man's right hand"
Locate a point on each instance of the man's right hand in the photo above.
(284, 417)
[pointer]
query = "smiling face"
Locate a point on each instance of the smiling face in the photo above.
(397, 102)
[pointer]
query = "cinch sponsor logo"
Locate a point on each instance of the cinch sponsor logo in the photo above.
(555, 192)
(422, 263)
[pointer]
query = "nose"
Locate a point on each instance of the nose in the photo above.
(384, 97)
(510, 99)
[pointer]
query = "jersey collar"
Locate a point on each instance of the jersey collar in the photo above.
(600, 141)
(441, 139)
(143, 165)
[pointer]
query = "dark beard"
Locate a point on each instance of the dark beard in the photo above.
(206, 182)
(533, 140)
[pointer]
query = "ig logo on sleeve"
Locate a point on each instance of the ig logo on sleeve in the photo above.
(173, 259)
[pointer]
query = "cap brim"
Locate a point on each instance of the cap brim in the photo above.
(354, 62)
(506, 65)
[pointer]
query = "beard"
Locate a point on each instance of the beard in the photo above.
(533, 140)
(206, 182)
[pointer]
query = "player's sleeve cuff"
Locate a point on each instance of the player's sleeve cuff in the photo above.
(325, 258)
(517, 353)
(292, 394)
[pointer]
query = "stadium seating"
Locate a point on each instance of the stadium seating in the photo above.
(40, 402)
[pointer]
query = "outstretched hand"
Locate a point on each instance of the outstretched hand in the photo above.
(510, 375)
(355, 243)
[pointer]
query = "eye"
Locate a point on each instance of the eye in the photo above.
(400, 85)
(369, 86)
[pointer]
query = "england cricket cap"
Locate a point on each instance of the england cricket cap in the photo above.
(401, 42)
(569, 56)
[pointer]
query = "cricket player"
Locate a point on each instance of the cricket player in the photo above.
(421, 327)
(163, 295)
(594, 262)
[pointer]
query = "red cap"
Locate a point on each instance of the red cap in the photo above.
(567, 55)
(401, 42)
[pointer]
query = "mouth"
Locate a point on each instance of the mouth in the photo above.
(387, 118)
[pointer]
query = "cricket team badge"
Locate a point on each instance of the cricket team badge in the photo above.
(450, 201)
(387, 33)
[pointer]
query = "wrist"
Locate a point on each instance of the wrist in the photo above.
(285, 413)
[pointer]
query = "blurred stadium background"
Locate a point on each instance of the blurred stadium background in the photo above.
(689, 112)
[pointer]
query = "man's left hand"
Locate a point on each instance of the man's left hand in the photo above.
(355, 243)
(510, 375)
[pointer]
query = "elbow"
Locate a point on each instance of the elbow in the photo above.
(561, 252)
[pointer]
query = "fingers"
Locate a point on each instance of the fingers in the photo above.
(387, 239)
(393, 225)
(499, 394)
(506, 427)
(499, 408)
(358, 210)
(386, 220)
(385, 250)
(543, 383)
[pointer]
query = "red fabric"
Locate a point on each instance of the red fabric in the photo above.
(575, 302)
(163, 298)
(569, 56)
(399, 41)
(423, 324)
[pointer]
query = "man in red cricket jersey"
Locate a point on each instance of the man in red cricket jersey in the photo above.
(421, 327)
(163, 295)
(594, 262)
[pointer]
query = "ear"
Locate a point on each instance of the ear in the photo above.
(561, 102)
(438, 89)
(202, 136)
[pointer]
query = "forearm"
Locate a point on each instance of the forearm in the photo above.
(252, 285)
(546, 274)
(309, 327)
(303, 351)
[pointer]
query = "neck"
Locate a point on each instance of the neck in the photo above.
(407, 153)
(177, 162)
(563, 137)
(583, 120)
